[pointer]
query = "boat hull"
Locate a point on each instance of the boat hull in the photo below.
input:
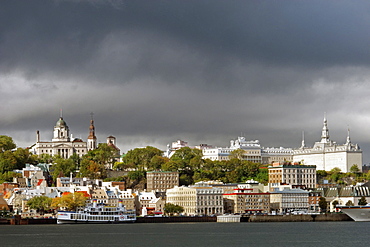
(357, 213)
(92, 222)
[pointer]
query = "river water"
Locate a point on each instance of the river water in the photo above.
(274, 234)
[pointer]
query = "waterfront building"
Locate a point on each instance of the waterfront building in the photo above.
(197, 200)
(327, 154)
(161, 180)
(248, 201)
(289, 200)
(293, 174)
(313, 201)
(149, 203)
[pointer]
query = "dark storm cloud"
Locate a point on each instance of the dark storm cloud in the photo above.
(202, 71)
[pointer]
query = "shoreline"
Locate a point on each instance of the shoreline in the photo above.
(175, 219)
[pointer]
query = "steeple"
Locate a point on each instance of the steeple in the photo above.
(91, 139)
(348, 138)
(325, 132)
(303, 144)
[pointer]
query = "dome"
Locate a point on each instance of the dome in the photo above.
(61, 122)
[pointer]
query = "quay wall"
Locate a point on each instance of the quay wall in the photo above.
(299, 218)
(175, 219)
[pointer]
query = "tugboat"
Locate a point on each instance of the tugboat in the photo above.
(97, 213)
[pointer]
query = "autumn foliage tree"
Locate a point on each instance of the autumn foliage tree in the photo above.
(70, 201)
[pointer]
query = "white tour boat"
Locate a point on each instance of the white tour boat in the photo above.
(357, 213)
(97, 213)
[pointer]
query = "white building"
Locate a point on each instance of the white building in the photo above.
(252, 150)
(197, 200)
(171, 149)
(327, 154)
(63, 143)
(271, 155)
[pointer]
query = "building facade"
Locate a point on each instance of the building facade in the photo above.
(63, 143)
(293, 174)
(326, 154)
(161, 180)
(289, 200)
(271, 155)
(197, 200)
(247, 201)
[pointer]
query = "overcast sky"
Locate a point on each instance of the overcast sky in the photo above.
(153, 72)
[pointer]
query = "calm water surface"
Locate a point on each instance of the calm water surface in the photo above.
(190, 234)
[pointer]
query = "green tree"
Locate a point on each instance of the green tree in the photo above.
(354, 169)
(323, 204)
(141, 158)
(157, 162)
(8, 176)
(349, 203)
(171, 166)
(23, 157)
(185, 155)
(40, 203)
(187, 161)
(262, 175)
(171, 209)
(103, 155)
(237, 154)
(6, 143)
(62, 167)
(45, 158)
(91, 169)
(362, 201)
(76, 159)
(8, 162)
(321, 173)
(335, 174)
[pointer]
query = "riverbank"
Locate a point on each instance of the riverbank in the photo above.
(299, 218)
(254, 218)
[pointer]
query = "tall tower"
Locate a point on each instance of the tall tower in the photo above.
(303, 145)
(91, 139)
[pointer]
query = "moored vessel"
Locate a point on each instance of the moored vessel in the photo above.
(357, 213)
(97, 213)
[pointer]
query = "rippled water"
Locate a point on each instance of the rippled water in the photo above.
(190, 234)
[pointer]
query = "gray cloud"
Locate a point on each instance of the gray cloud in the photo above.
(201, 71)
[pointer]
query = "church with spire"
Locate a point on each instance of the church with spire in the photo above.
(327, 154)
(63, 143)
